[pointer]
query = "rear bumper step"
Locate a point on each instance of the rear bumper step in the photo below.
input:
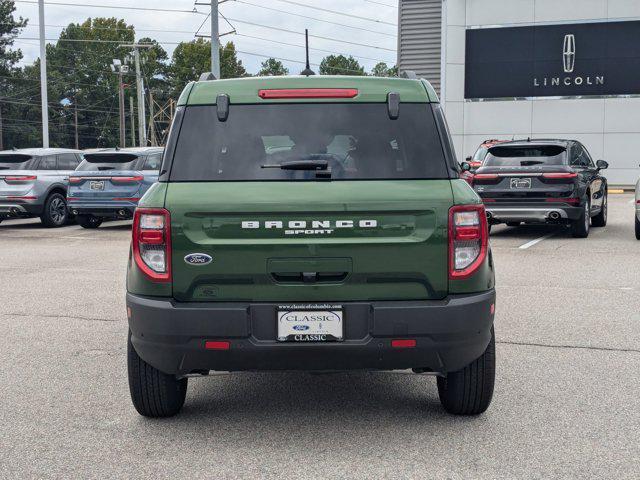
(537, 214)
(449, 334)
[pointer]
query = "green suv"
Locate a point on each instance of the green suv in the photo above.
(310, 223)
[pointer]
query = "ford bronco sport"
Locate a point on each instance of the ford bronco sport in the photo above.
(310, 223)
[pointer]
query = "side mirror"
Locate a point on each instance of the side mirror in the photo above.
(465, 166)
(468, 159)
(602, 165)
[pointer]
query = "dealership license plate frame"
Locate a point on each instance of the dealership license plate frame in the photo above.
(334, 334)
(96, 185)
(520, 183)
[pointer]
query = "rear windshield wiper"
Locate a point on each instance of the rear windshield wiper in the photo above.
(301, 165)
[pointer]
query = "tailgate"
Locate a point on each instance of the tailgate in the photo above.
(310, 241)
(120, 185)
(525, 186)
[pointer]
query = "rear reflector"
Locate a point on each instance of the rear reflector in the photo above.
(127, 179)
(217, 345)
(309, 93)
(572, 201)
(492, 309)
(126, 199)
(21, 198)
(403, 343)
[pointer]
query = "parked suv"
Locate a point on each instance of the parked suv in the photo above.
(543, 181)
(33, 183)
(109, 183)
(310, 223)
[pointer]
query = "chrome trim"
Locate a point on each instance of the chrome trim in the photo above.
(553, 22)
(523, 214)
(6, 208)
(531, 99)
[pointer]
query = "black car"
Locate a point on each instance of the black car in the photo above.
(543, 181)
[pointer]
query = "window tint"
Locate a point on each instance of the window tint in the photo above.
(15, 161)
(153, 162)
(525, 156)
(48, 163)
(94, 162)
(358, 141)
(579, 157)
(68, 161)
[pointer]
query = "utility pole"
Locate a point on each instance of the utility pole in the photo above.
(133, 122)
(119, 69)
(75, 121)
(215, 40)
(1, 132)
(43, 78)
(142, 128)
(152, 123)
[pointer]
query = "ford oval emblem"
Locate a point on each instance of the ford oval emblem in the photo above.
(198, 259)
(301, 328)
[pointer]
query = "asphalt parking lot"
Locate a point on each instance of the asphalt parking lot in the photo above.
(566, 404)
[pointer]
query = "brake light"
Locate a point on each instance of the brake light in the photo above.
(75, 179)
(475, 164)
(151, 243)
(572, 201)
(20, 178)
(126, 199)
(486, 176)
(560, 175)
(468, 240)
(137, 178)
(309, 93)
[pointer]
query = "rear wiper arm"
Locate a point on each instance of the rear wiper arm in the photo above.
(301, 165)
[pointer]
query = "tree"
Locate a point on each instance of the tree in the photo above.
(340, 65)
(230, 66)
(382, 70)
(273, 68)
(10, 84)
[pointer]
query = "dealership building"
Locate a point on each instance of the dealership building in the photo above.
(532, 68)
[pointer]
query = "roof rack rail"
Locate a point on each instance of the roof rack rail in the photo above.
(206, 76)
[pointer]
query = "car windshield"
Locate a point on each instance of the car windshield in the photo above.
(345, 141)
(107, 161)
(526, 156)
(15, 162)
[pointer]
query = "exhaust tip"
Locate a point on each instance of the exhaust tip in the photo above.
(75, 212)
(489, 215)
(554, 216)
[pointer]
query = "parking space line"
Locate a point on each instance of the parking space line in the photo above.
(537, 240)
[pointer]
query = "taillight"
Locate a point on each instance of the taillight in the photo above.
(475, 164)
(152, 243)
(560, 175)
(569, 200)
(137, 178)
(468, 239)
(20, 178)
(75, 179)
(485, 178)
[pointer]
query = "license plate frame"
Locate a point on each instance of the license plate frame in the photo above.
(520, 183)
(96, 185)
(303, 323)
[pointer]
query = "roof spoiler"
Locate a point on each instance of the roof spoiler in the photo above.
(410, 74)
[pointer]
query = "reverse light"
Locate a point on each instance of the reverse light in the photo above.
(20, 178)
(151, 243)
(468, 239)
(309, 93)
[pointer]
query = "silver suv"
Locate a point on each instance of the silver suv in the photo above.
(33, 183)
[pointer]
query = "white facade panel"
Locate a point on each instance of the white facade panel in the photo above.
(455, 44)
(454, 89)
(455, 116)
(623, 8)
(560, 10)
(569, 116)
(622, 115)
(496, 119)
(496, 12)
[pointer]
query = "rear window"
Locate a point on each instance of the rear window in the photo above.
(358, 141)
(526, 156)
(15, 162)
(108, 161)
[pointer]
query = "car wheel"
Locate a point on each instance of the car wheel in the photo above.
(153, 393)
(89, 221)
(637, 228)
(55, 211)
(600, 220)
(513, 224)
(469, 391)
(580, 227)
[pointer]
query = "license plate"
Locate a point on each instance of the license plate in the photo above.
(310, 323)
(520, 183)
(99, 185)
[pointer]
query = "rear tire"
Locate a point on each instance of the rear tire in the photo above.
(600, 220)
(469, 391)
(89, 221)
(580, 227)
(55, 212)
(513, 224)
(153, 393)
(637, 228)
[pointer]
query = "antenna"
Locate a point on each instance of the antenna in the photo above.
(307, 70)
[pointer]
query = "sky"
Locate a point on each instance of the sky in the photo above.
(365, 29)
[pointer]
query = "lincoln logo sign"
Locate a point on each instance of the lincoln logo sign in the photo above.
(588, 59)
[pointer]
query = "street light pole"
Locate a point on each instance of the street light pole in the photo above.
(142, 127)
(215, 40)
(43, 78)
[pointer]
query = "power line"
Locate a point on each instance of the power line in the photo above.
(115, 7)
(368, 19)
(381, 3)
(315, 18)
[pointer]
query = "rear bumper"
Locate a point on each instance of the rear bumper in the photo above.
(105, 210)
(22, 208)
(533, 213)
(449, 334)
